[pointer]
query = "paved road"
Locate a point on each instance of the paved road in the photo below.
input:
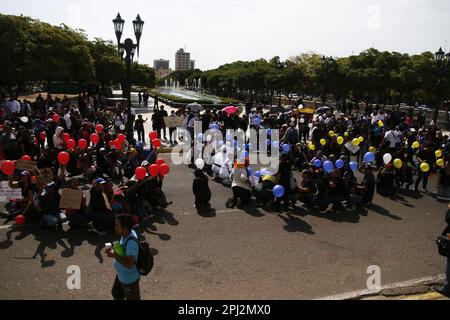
(235, 254)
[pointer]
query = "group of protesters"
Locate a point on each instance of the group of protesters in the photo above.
(84, 146)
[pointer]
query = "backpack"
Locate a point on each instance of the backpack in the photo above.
(145, 259)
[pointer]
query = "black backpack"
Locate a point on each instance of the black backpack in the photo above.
(145, 259)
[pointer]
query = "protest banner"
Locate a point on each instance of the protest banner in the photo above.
(70, 199)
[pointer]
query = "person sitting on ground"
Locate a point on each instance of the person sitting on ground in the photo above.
(23, 206)
(80, 216)
(263, 190)
(49, 199)
(100, 207)
(307, 189)
(201, 191)
(385, 181)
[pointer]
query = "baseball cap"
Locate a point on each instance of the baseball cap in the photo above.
(24, 173)
(100, 181)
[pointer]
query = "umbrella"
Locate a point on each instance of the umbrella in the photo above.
(196, 107)
(230, 110)
(323, 109)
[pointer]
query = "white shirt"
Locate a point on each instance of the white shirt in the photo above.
(391, 136)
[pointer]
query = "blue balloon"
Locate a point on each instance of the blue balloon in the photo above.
(245, 154)
(214, 126)
(286, 148)
(278, 191)
(257, 121)
(328, 166)
(340, 164)
(369, 157)
(258, 174)
(353, 166)
(276, 144)
(317, 163)
(269, 132)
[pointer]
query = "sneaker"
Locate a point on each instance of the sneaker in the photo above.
(441, 290)
(230, 203)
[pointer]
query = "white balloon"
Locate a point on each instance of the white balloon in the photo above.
(122, 127)
(387, 158)
(302, 120)
(320, 118)
(200, 164)
(310, 125)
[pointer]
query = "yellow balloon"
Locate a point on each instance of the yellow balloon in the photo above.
(340, 140)
(356, 142)
(323, 142)
(398, 163)
(346, 134)
(438, 153)
(361, 139)
(331, 134)
(312, 147)
(425, 167)
(380, 123)
(440, 162)
(416, 145)
(373, 149)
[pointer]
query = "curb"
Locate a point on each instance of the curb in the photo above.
(390, 290)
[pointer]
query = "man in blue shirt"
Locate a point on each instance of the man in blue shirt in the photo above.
(126, 284)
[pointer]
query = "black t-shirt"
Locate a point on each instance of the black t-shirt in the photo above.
(369, 184)
(309, 183)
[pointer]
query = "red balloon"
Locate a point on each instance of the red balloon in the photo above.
(20, 220)
(26, 158)
(164, 170)
(153, 170)
(136, 220)
(56, 117)
(99, 128)
(70, 144)
(160, 162)
(42, 135)
(121, 137)
(140, 173)
(8, 167)
(63, 158)
(82, 144)
(33, 179)
(153, 135)
(95, 139)
(66, 136)
(118, 144)
(110, 143)
(156, 143)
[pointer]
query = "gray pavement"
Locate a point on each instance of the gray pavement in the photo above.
(235, 254)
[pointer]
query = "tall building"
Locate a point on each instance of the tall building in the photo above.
(161, 64)
(183, 60)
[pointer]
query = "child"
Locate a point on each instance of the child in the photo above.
(201, 191)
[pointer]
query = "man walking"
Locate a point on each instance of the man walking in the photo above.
(126, 284)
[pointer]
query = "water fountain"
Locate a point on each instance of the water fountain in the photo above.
(170, 83)
(186, 83)
(165, 83)
(199, 84)
(177, 85)
(194, 84)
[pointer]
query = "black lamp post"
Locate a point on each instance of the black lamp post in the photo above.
(327, 63)
(127, 49)
(442, 61)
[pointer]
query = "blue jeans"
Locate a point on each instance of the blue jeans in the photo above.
(447, 275)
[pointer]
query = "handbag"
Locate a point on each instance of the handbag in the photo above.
(443, 244)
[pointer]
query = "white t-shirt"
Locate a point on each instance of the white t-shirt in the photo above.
(391, 136)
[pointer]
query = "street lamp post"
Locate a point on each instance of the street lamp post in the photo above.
(127, 49)
(442, 61)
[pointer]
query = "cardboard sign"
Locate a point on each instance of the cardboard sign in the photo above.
(45, 176)
(351, 147)
(173, 122)
(7, 193)
(70, 199)
(26, 165)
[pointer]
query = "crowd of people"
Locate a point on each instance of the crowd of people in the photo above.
(91, 142)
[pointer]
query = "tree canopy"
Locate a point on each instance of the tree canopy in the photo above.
(32, 51)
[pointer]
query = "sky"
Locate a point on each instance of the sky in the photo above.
(216, 32)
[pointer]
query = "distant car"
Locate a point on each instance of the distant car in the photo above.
(423, 107)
